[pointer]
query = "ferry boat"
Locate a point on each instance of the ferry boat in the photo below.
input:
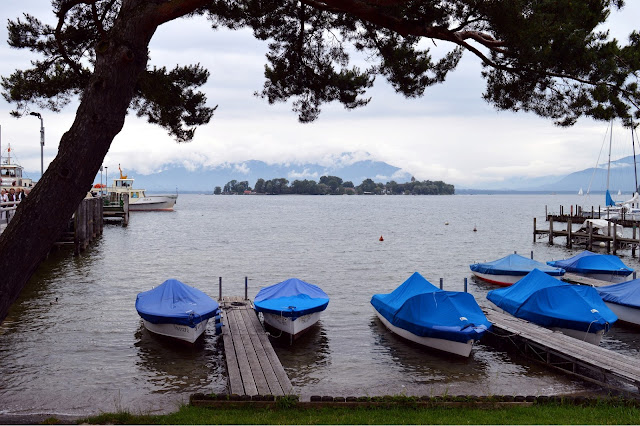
(12, 175)
(138, 200)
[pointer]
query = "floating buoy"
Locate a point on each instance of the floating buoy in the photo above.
(446, 223)
(474, 229)
(381, 239)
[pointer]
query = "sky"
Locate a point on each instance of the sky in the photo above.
(449, 134)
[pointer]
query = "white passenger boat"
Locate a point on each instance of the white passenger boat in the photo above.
(138, 199)
(12, 175)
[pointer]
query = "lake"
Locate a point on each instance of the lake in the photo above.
(74, 344)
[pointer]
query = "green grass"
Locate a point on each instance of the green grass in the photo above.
(600, 413)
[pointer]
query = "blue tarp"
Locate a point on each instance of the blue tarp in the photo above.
(549, 302)
(593, 263)
(514, 264)
(424, 310)
(626, 293)
(292, 298)
(173, 302)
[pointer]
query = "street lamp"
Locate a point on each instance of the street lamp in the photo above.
(101, 187)
(106, 178)
(37, 114)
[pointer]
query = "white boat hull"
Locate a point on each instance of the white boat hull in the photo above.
(605, 277)
(286, 325)
(503, 280)
(625, 313)
(177, 331)
(152, 203)
(458, 348)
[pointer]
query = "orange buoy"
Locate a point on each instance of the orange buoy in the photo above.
(381, 239)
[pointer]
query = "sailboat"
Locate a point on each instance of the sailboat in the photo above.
(580, 192)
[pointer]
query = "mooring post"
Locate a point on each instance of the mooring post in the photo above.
(569, 241)
(615, 238)
(531, 254)
(633, 243)
(634, 275)
(534, 229)
(546, 213)
(246, 286)
(219, 288)
(590, 236)
(465, 284)
(441, 283)
(550, 231)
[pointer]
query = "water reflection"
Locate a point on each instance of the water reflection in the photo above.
(172, 365)
(303, 358)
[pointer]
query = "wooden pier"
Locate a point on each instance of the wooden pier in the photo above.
(590, 238)
(252, 364)
(84, 226)
(567, 354)
(116, 207)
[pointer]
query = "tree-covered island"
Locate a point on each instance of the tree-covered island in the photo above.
(333, 185)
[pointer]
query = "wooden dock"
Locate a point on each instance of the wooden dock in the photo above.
(252, 364)
(567, 354)
(590, 238)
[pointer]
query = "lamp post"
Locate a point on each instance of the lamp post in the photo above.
(106, 177)
(37, 114)
(101, 187)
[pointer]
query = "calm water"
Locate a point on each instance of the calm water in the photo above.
(88, 351)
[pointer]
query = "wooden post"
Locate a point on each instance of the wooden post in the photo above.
(592, 212)
(125, 199)
(615, 238)
(546, 214)
(246, 286)
(531, 254)
(569, 241)
(465, 284)
(441, 283)
(550, 231)
(599, 215)
(534, 229)
(219, 288)
(633, 244)
(590, 245)
(608, 234)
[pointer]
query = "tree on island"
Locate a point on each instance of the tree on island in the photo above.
(541, 56)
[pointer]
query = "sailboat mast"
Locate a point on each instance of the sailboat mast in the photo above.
(609, 162)
(635, 169)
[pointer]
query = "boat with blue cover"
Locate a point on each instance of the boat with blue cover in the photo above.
(418, 311)
(606, 267)
(511, 268)
(291, 306)
(624, 300)
(575, 310)
(177, 310)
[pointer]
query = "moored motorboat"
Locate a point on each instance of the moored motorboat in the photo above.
(575, 310)
(177, 310)
(138, 199)
(605, 267)
(624, 300)
(418, 311)
(291, 306)
(511, 268)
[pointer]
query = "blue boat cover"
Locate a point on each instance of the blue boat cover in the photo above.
(549, 302)
(626, 293)
(593, 263)
(291, 298)
(173, 302)
(514, 264)
(424, 310)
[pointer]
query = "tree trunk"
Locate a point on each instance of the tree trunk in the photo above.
(40, 219)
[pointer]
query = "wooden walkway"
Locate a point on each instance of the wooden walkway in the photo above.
(578, 279)
(252, 364)
(570, 355)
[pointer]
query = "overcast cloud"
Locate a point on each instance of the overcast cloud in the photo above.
(450, 134)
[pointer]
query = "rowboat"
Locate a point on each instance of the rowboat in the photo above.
(418, 311)
(291, 306)
(574, 310)
(511, 268)
(177, 310)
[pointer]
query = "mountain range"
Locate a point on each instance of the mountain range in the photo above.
(176, 178)
(206, 179)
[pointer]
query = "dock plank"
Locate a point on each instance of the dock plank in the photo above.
(595, 358)
(251, 359)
